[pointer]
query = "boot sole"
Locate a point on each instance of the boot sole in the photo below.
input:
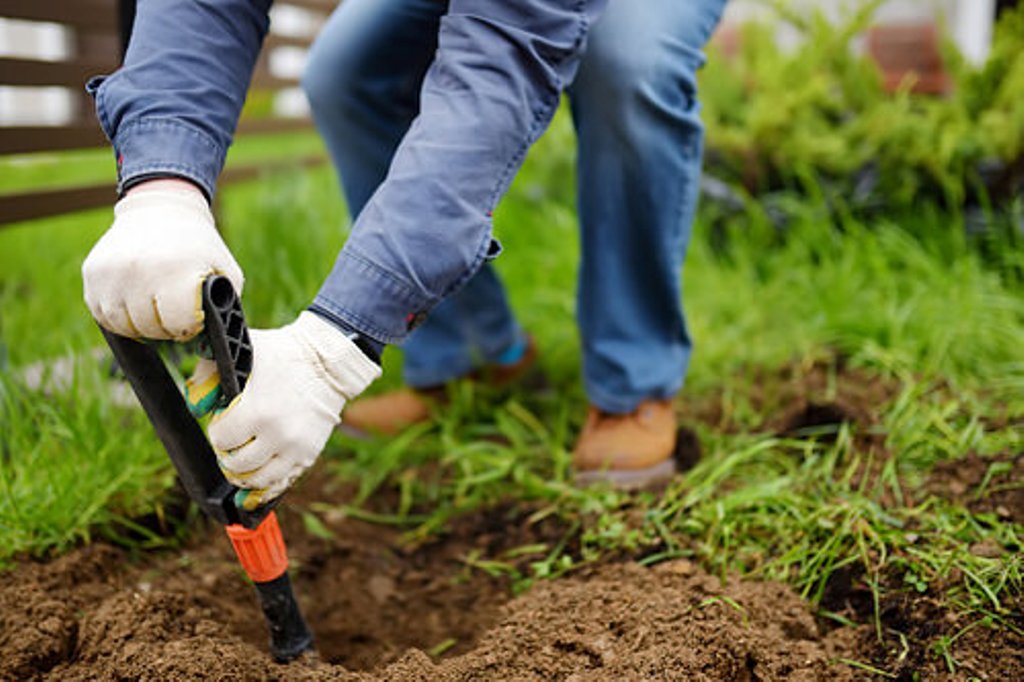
(629, 479)
(685, 455)
(354, 432)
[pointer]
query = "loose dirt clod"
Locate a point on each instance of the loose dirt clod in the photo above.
(982, 484)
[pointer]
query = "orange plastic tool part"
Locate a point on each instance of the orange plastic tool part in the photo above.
(260, 551)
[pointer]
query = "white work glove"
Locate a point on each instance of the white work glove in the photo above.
(302, 376)
(144, 277)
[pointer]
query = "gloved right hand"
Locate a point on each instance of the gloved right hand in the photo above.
(144, 277)
(302, 376)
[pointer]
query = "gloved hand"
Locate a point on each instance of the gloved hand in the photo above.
(144, 277)
(301, 378)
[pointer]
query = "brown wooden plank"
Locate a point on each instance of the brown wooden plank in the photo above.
(16, 208)
(97, 46)
(275, 40)
(264, 80)
(323, 6)
(264, 126)
(93, 14)
(14, 71)
(255, 169)
(30, 139)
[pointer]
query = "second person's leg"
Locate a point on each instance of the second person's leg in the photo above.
(640, 151)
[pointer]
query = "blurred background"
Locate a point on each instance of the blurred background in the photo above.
(861, 224)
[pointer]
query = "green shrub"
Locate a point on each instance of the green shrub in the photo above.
(777, 117)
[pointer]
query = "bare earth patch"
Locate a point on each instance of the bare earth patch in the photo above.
(377, 608)
(382, 609)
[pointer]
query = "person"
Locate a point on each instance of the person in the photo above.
(427, 108)
(634, 107)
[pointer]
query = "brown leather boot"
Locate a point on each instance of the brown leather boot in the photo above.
(389, 413)
(630, 451)
(392, 412)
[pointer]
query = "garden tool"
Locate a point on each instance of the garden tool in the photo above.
(255, 535)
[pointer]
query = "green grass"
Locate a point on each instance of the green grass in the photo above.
(906, 299)
(38, 171)
(73, 466)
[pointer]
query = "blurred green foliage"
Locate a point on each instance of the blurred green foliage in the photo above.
(776, 116)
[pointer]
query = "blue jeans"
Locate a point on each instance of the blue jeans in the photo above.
(635, 109)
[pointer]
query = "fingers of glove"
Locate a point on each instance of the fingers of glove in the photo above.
(178, 306)
(234, 427)
(238, 456)
(249, 499)
(92, 301)
(202, 390)
(98, 314)
(96, 289)
(276, 470)
(115, 318)
(143, 316)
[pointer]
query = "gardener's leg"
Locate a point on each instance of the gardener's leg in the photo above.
(479, 318)
(363, 82)
(640, 145)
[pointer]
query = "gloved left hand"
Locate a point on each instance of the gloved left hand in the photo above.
(302, 376)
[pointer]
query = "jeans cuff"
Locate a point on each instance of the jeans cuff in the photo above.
(371, 300)
(618, 403)
(443, 373)
(157, 148)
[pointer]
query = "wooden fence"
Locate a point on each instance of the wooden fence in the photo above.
(99, 30)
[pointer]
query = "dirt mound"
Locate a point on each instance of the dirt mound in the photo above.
(629, 622)
(93, 615)
(382, 608)
(377, 607)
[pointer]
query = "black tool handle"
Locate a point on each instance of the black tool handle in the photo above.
(289, 635)
(227, 334)
(194, 459)
(177, 429)
(228, 337)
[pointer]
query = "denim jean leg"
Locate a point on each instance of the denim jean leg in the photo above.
(491, 91)
(489, 322)
(363, 81)
(640, 150)
(479, 315)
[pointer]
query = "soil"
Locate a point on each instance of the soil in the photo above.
(964, 481)
(384, 608)
(804, 400)
(97, 614)
(378, 606)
